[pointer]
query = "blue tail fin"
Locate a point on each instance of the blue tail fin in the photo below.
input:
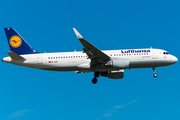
(16, 43)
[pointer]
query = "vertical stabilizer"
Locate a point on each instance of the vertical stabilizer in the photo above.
(16, 43)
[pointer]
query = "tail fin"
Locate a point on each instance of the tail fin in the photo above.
(16, 43)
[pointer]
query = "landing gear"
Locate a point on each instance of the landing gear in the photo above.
(155, 74)
(94, 80)
(96, 75)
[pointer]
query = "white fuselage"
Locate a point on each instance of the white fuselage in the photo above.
(78, 61)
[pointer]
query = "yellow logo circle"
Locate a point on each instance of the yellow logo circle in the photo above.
(15, 41)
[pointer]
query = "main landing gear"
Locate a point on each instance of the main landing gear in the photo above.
(96, 75)
(155, 74)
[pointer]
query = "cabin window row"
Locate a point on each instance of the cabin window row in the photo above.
(130, 54)
(86, 56)
(66, 57)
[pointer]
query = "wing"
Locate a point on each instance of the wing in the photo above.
(93, 53)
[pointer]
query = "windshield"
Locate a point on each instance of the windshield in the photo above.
(165, 53)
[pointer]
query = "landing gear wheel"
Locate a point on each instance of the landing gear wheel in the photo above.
(154, 71)
(155, 75)
(94, 80)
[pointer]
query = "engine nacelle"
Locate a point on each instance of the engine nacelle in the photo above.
(118, 63)
(114, 74)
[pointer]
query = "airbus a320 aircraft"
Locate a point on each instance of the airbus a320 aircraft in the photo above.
(107, 63)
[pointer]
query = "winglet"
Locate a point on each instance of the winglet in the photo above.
(77, 33)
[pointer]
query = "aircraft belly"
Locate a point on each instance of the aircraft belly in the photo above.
(148, 63)
(61, 69)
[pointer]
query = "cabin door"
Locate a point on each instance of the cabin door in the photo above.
(39, 57)
(155, 54)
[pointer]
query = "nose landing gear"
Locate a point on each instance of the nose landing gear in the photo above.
(155, 74)
(96, 75)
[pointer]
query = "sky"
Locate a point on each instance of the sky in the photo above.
(46, 25)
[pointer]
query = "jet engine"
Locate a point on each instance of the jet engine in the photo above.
(118, 63)
(113, 74)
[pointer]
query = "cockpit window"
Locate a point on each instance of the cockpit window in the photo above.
(165, 53)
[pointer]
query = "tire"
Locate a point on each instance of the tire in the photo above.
(155, 75)
(94, 80)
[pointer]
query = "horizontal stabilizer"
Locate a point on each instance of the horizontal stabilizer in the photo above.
(15, 56)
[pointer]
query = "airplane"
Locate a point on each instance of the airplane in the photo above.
(106, 63)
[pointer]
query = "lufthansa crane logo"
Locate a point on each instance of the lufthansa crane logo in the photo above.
(15, 41)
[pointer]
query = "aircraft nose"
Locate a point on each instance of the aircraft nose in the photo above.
(174, 59)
